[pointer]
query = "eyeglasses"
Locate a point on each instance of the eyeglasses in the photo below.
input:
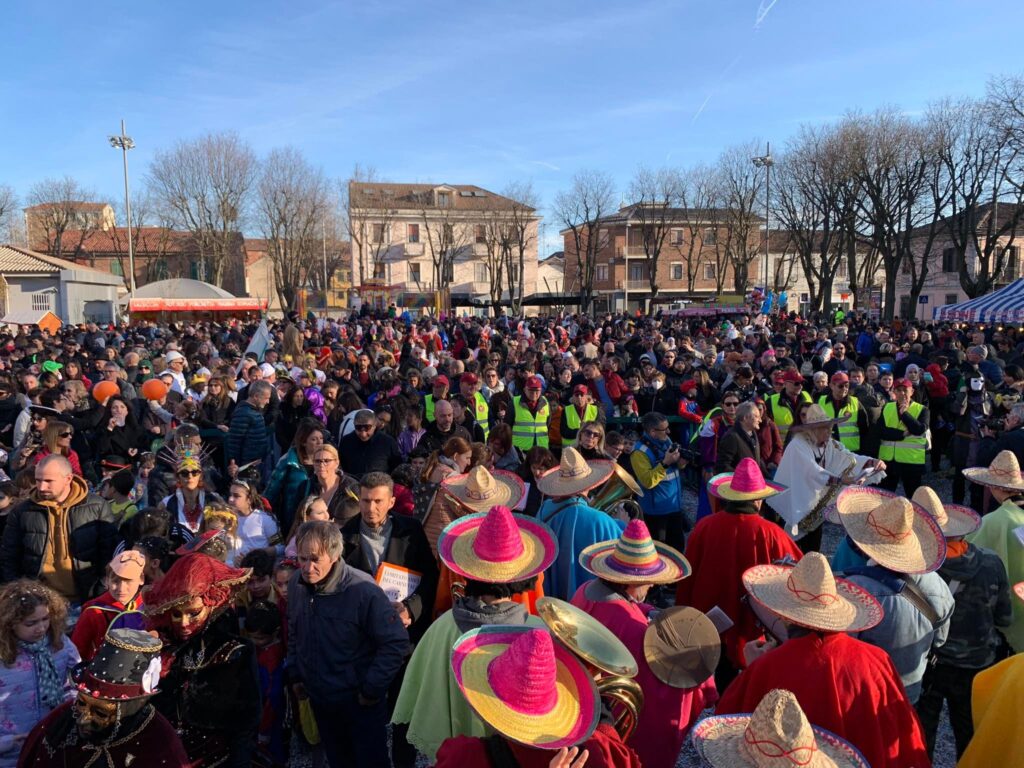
(65, 434)
(37, 417)
(190, 473)
(324, 461)
(731, 404)
(364, 427)
(593, 433)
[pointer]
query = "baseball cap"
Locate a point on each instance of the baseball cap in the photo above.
(903, 384)
(469, 378)
(580, 389)
(533, 382)
(173, 355)
(442, 381)
(840, 378)
(793, 376)
(128, 564)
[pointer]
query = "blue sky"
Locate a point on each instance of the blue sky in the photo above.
(481, 92)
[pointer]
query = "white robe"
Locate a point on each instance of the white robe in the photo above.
(805, 471)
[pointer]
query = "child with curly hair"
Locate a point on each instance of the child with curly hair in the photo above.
(36, 657)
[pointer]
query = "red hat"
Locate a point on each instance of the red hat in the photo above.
(442, 381)
(840, 377)
(687, 385)
(794, 376)
(469, 378)
(533, 382)
(580, 389)
(903, 384)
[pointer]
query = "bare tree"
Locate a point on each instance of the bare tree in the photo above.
(580, 209)
(207, 183)
(892, 159)
(741, 188)
(814, 204)
(655, 198)
(980, 163)
(498, 246)
(446, 240)
(292, 201)
(57, 211)
(370, 215)
(715, 235)
(8, 214)
(153, 238)
(521, 237)
(698, 198)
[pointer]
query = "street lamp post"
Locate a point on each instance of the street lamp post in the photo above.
(124, 143)
(766, 161)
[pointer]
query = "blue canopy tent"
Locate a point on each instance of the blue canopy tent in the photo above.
(1003, 306)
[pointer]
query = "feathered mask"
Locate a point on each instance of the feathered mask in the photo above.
(184, 457)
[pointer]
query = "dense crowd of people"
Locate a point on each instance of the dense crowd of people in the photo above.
(505, 541)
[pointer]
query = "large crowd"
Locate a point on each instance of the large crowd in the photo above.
(552, 541)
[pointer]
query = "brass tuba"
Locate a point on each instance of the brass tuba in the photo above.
(619, 487)
(607, 658)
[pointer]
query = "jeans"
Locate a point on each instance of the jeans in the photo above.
(353, 736)
(943, 682)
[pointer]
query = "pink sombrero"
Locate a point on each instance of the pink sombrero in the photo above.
(745, 484)
(497, 547)
(635, 558)
(776, 735)
(525, 686)
(809, 594)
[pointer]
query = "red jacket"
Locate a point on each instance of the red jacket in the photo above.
(770, 442)
(97, 615)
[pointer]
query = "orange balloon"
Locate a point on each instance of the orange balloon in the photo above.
(154, 389)
(103, 390)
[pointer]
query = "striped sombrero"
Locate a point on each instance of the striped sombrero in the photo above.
(635, 558)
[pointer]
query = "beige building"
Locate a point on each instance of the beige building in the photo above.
(551, 274)
(409, 240)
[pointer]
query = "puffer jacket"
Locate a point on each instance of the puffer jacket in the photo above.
(247, 438)
(289, 484)
(344, 636)
(92, 536)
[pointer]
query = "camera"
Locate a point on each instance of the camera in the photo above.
(996, 425)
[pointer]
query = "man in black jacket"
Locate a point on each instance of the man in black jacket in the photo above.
(740, 441)
(62, 534)
(366, 449)
(376, 540)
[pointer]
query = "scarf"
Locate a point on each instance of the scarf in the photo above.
(49, 683)
(658, 447)
(956, 549)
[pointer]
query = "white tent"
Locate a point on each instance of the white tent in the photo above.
(1003, 306)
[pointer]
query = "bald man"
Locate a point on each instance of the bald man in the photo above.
(443, 428)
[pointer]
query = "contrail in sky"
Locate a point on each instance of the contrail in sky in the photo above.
(763, 10)
(698, 112)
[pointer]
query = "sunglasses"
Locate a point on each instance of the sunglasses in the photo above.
(730, 404)
(324, 461)
(37, 417)
(591, 433)
(364, 427)
(190, 473)
(65, 434)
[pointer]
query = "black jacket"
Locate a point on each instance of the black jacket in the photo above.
(1011, 440)
(92, 539)
(378, 454)
(409, 548)
(733, 447)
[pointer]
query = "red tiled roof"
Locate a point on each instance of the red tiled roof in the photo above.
(144, 240)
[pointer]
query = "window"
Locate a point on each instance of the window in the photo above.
(951, 298)
(601, 273)
(637, 272)
(481, 273)
(905, 308)
(42, 301)
(377, 233)
(675, 237)
(710, 236)
(480, 233)
(412, 233)
(676, 270)
(1011, 264)
(444, 200)
(710, 270)
(378, 271)
(115, 268)
(950, 261)
(414, 273)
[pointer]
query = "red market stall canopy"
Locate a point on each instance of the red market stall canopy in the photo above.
(181, 296)
(197, 305)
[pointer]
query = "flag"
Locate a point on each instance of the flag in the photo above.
(260, 342)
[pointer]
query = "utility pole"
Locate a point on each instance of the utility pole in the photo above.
(124, 143)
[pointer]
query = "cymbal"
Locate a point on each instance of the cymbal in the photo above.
(585, 636)
(682, 647)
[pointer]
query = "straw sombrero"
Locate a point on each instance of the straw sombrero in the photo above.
(815, 417)
(480, 490)
(635, 558)
(1003, 472)
(809, 595)
(953, 519)
(747, 483)
(497, 547)
(573, 475)
(525, 686)
(776, 735)
(895, 532)
(682, 647)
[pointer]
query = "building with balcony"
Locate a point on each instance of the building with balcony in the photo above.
(409, 240)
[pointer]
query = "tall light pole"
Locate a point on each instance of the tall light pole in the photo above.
(124, 143)
(766, 161)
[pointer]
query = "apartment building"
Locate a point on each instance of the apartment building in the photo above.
(409, 240)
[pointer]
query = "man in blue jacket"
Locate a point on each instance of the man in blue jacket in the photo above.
(248, 439)
(346, 643)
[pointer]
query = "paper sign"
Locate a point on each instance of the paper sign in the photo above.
(1019, 533)
(720, 619)
(522, 502)
(397, 582)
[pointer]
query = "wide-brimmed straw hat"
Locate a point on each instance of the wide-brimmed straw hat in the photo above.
(747, 483)
(891, 530)
(809, 594)
(525, 686)
(1004, 472)
(953, 519)
(480, 490)
(635, 558)
(682, 647)
(815, 416)
(497, 547)
(776, 735)
(573, 475)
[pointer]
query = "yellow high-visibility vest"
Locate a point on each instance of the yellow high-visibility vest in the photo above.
(782, 415)
(530, 430)
(911, 449)
(849, 433)
(573, 422)
(481, 412)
